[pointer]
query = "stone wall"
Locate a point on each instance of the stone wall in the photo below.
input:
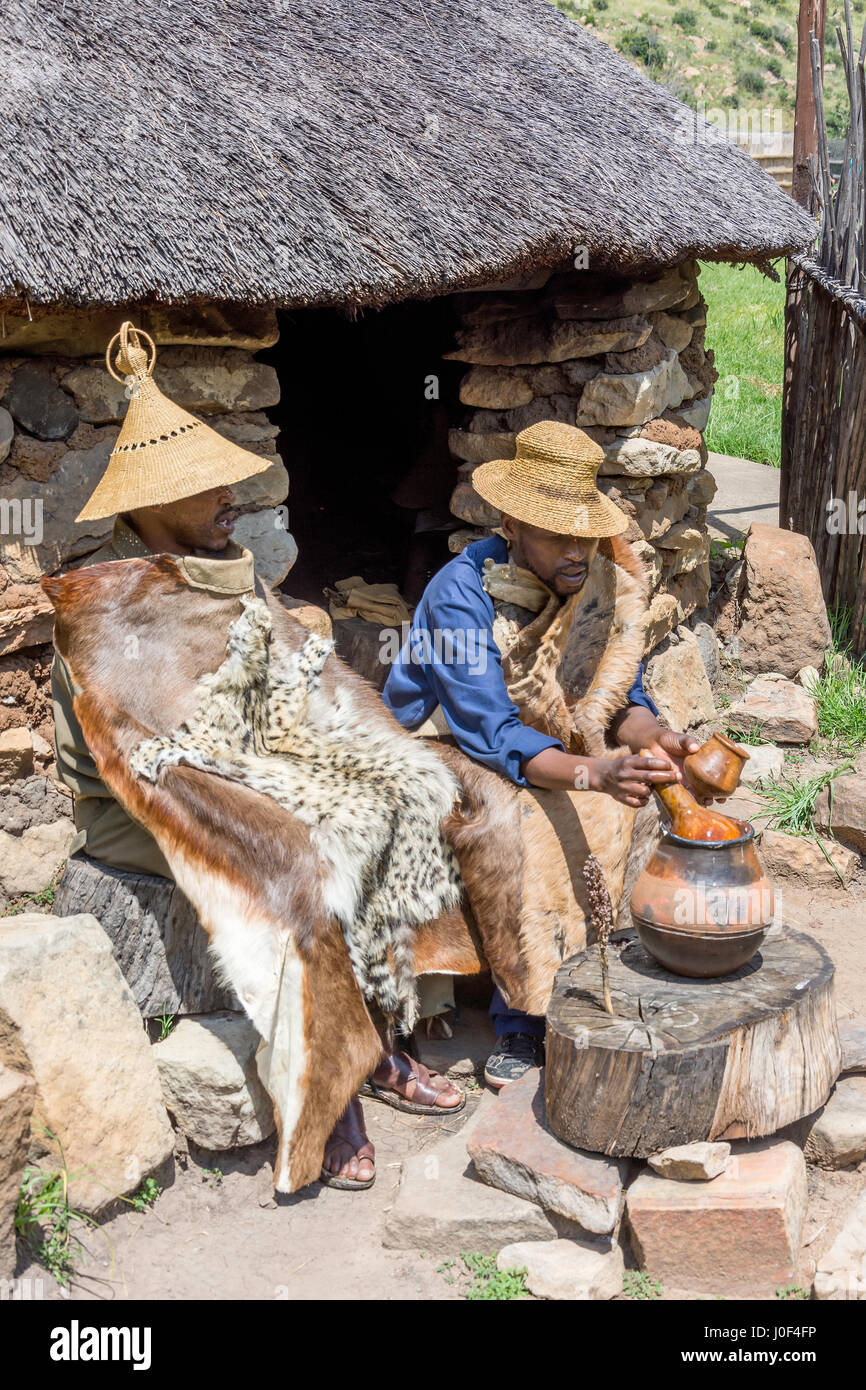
(624, 360)
(59, 416)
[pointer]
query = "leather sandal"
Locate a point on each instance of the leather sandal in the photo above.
(355, 1137)
(423, 1099)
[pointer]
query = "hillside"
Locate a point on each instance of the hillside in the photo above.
(736, 55)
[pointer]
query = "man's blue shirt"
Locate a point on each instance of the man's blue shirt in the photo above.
(451, 659)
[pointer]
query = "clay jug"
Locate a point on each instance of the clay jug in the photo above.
(690, 820)
(716, 768)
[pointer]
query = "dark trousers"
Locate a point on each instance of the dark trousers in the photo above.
(507, 1021)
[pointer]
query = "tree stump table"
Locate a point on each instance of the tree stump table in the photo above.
(683, 1060)
(157, 940)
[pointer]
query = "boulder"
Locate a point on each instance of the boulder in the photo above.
(841, 1272)
(838, 1136)
(670, 290)
(776, 709)
(692, 1162)
(36, 800)
(38, 404)
(845, 816)
(26, 618)
(635, 456)
(210, 1083)
(7, 434)
(852, 1039)
(806, 861)
(268, 489)
(533, 340)
(634, 398)
(701, 488)
(201, 379)
(664, 614)
(58, 501)
(16, 754)
(675, 332)
(17, 1095)
(441, 1207)
(87, 332)
(65, 1005)
(766, 763)
(274, 548)
(32, 860)
(480, 448)
(564, 1270)
(37, 459)
(707, 644)
(495, 388)
(697, 412)
(469, 505)
(676, 680)
(784, 622)
(512, 1149)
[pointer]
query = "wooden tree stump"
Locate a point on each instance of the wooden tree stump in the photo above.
(155, 934)
(684, 1060)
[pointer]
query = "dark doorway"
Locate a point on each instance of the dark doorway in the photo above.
(364, 414)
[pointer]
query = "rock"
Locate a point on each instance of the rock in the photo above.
(708, 646)
(803, 860)
(776, 709)
(669, 291)
(692, 1162)
(245, 427)
(564, 1270)
(309, 615)
(64, 1002)
(684, 535)
(852, 1037)
(661, 508)
(838, 1136)
(495, 388)
(16, 754)
(210, 1082)
(644, 458)
(441, 1207)
(469, 505)
(38, 459)
(808, 677)
(641, 359)
(664, 614)
(7, 434)
(766, 763)
(676, 680)
(58, 502)
(17, 1094)
(38, 404)
(86, 333)
(513, 343)
(268, 489)
(204, 380)
(513, 1149)
(697, 412)
(26, 618)
(674, 332)
(669, 429)
(784, 622)
(34, 801)
(33, 859)
(633, 399)
(841, 1272)
(701, 488)
(458, 540)
(846, 817)
(480, 448)
(736, 1236)
(274, 549)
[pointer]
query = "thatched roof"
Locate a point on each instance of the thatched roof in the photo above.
(345, 151)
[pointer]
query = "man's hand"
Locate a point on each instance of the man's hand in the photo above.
(630, 780)
(639, 730)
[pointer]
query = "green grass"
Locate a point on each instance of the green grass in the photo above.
(640, 1287)
(480, 1281)
(746, 331)
(45, 1220)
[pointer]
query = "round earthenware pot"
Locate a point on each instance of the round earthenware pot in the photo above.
(702, 908)
(716, 768)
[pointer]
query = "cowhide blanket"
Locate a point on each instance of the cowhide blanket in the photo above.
(314, 837)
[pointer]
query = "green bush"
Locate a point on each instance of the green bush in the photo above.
(752, 81)
(601, 4)
(784, 38)
(773, 66)
(761, 29)
(645, 46)
(711, 45)
(686, 19)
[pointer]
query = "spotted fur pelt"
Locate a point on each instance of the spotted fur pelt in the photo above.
(374, 801)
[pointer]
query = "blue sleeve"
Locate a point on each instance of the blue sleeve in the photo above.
(638, 696)
(464, 670)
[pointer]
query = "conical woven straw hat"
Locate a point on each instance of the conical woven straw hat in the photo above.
(162, 452)
(550, 483)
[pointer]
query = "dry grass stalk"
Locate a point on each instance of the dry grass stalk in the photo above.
(601, 912)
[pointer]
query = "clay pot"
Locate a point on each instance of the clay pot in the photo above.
(702, 909)
(716, 768)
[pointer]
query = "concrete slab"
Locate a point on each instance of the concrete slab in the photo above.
(747, 492)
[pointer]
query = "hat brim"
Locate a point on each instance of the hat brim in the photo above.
(129, 483)
(592, 516)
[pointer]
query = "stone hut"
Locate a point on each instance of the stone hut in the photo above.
(372, 243)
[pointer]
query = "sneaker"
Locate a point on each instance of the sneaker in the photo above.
(515, 1055)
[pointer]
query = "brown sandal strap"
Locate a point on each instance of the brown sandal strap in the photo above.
(423, 1093)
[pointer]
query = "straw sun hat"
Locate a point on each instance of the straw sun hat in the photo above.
(550, 483)
(162, 452)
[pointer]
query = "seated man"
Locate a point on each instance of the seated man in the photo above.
(526, 649)
(185, 507)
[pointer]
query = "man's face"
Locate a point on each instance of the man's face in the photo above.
(202, 522)
(562, 562)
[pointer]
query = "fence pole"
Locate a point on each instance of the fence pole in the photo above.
(812, 18)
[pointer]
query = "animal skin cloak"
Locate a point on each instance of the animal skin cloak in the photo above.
(324, 849)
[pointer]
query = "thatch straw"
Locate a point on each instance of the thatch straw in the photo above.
(345, 152)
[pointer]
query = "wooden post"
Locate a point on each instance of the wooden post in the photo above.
(812, 17)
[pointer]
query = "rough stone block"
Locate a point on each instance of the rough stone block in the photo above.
(777, 709)
(852, 1039)
(513, 1149)
(16, 754)
(210, 1082)
(563, 1270)
(841, 1272)
(804, 860)
(274, 548)
(676, 680)
(692, 1162)
(442, 1207)
(638, 457)
(65, 1004)
(7, 434)
(634, 398)
(17, 1094)
(766, 763)
(846, 817)
(838, 1136)
(31, 860)
(38, 404)
(533, 340)
(736, 1236)
(784, 619)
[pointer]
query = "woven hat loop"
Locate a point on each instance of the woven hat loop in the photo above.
(132, 359)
